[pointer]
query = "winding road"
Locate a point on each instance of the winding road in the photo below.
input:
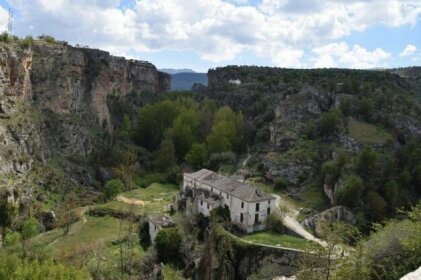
(290, 221)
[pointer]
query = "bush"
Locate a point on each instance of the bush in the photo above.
(167, 244)
(112, 188)
(14, 268)
(5, 37)
(47, 38)
(330, 122)
(351, 191)
(144, 236)
(281, 183)
(27, 41)
(11, 238)
(274, 222)
(30, 228)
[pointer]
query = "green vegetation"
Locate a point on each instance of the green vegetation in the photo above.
(367, 133)
(112, 188)
(14, 268)
(280, 240)
(148, 200)
(184, 130)
(171, 273)
(167, 244)
(391, 251)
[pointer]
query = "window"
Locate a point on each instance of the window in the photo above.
(228, 196)
(241, 217)
(269, 202)
(211, 189)
(257, 206)
(207, 206)
(201, 202)
(256, 218)
(268, 210)
(242, 204)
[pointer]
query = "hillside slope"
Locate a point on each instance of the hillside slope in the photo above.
(310, 131)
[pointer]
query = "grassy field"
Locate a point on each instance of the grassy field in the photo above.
(91, 240)
(367, 133)
(154, 198)
(281, 240)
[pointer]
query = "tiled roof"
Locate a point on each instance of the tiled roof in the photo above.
(233, 187)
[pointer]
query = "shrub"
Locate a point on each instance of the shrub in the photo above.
(167, 244)
(11, 238)
(281, 183)
(330, 122)
(14, 268)
(351, 192)
(144, 236)
(274, 222)
(27, 41)
(112, 188)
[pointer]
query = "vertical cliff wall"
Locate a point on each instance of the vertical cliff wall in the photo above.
(53, 95)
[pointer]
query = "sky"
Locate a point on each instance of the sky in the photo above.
(203, 34)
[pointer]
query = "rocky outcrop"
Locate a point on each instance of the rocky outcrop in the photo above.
(332, 215)
(52, 97)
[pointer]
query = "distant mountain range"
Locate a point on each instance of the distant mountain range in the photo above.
(183, 79)
(172, 71)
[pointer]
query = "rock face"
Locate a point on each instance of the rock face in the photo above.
(332, 215)
(283, 109)
(52, 96)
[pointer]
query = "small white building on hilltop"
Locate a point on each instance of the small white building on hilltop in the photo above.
(158, 222)
(249, 207)
(235, 82)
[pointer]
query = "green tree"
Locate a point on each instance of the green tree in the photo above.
(391, 192)
(14, 268)
(11, 237)
(30, 228)
(8, 212)
(113, 187)
(126, 127)
(165, 156)
(377, 206)
(153, 121)
(167, 243)
(226, 134)
(367, 161)
(351, 192)
(330, 122)
(184, 131)
(197, 156)
(320, 264)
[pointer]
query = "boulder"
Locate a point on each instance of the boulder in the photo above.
(332, 215)
(48, 220)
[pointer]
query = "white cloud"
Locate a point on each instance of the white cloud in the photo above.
(341, 55)
(408, 51)
(218, 30)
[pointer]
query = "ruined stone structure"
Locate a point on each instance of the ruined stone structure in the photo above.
(156, 223)
(248, 206)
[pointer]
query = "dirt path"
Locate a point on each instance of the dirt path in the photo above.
(290, 221)
(133, 201)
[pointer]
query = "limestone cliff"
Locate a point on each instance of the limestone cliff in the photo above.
(52, 96)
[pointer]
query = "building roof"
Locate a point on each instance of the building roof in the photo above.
(233, 187)
(162, 221)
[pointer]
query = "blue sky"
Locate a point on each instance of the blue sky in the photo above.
(202, 34)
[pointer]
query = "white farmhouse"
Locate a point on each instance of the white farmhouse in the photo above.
(249, 207)
(235, 82)
(158, 222)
